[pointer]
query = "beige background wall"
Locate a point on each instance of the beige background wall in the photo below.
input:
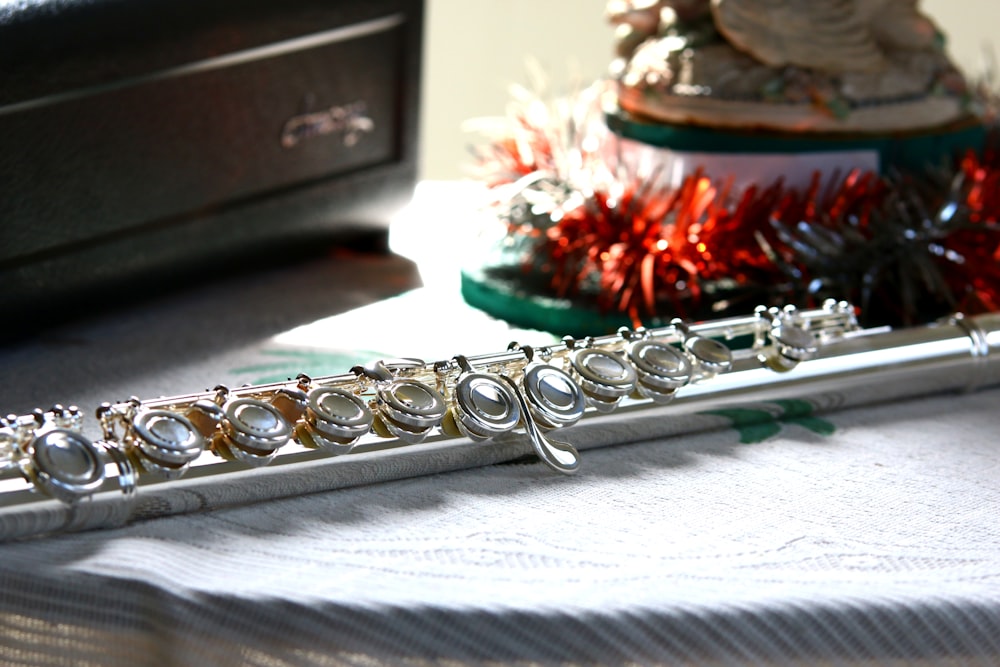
(475, 48)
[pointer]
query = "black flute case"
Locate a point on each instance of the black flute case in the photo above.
(144, 142)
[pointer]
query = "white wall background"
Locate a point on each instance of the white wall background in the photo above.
(474, 49)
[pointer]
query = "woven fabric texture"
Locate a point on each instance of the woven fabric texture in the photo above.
(872, 540)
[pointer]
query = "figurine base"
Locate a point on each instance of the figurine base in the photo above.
(518, 304)
(737, 148)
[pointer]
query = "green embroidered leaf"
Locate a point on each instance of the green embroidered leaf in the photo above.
(801, 413)
(756, 424)
(310, 362)
(814, 424)
(793, 407)
(753, 425)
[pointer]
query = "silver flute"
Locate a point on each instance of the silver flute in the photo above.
(397, 418)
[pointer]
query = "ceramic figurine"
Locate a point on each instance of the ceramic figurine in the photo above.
(800, 65)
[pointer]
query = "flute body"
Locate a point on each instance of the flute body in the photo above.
(402, 418)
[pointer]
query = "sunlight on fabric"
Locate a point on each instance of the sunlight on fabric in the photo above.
(440, 229)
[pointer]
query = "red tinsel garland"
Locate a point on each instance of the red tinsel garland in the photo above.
(650, 245)
(906, 245)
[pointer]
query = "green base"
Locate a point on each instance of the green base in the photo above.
(903, 151)
(512, 303)
(531, 311)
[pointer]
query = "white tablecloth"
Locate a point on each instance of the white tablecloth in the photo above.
(868, 535)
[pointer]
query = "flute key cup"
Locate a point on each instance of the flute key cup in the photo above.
(404, 408)
(334, 419)
(604, 376)
(164, 442)
(790, 341)
(661, 368)
(53, 455)
(482, 405)
(553, 397)
(65, 465)
(252, 431)
(710, 357)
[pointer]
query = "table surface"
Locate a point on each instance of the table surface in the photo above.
(867, 535)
